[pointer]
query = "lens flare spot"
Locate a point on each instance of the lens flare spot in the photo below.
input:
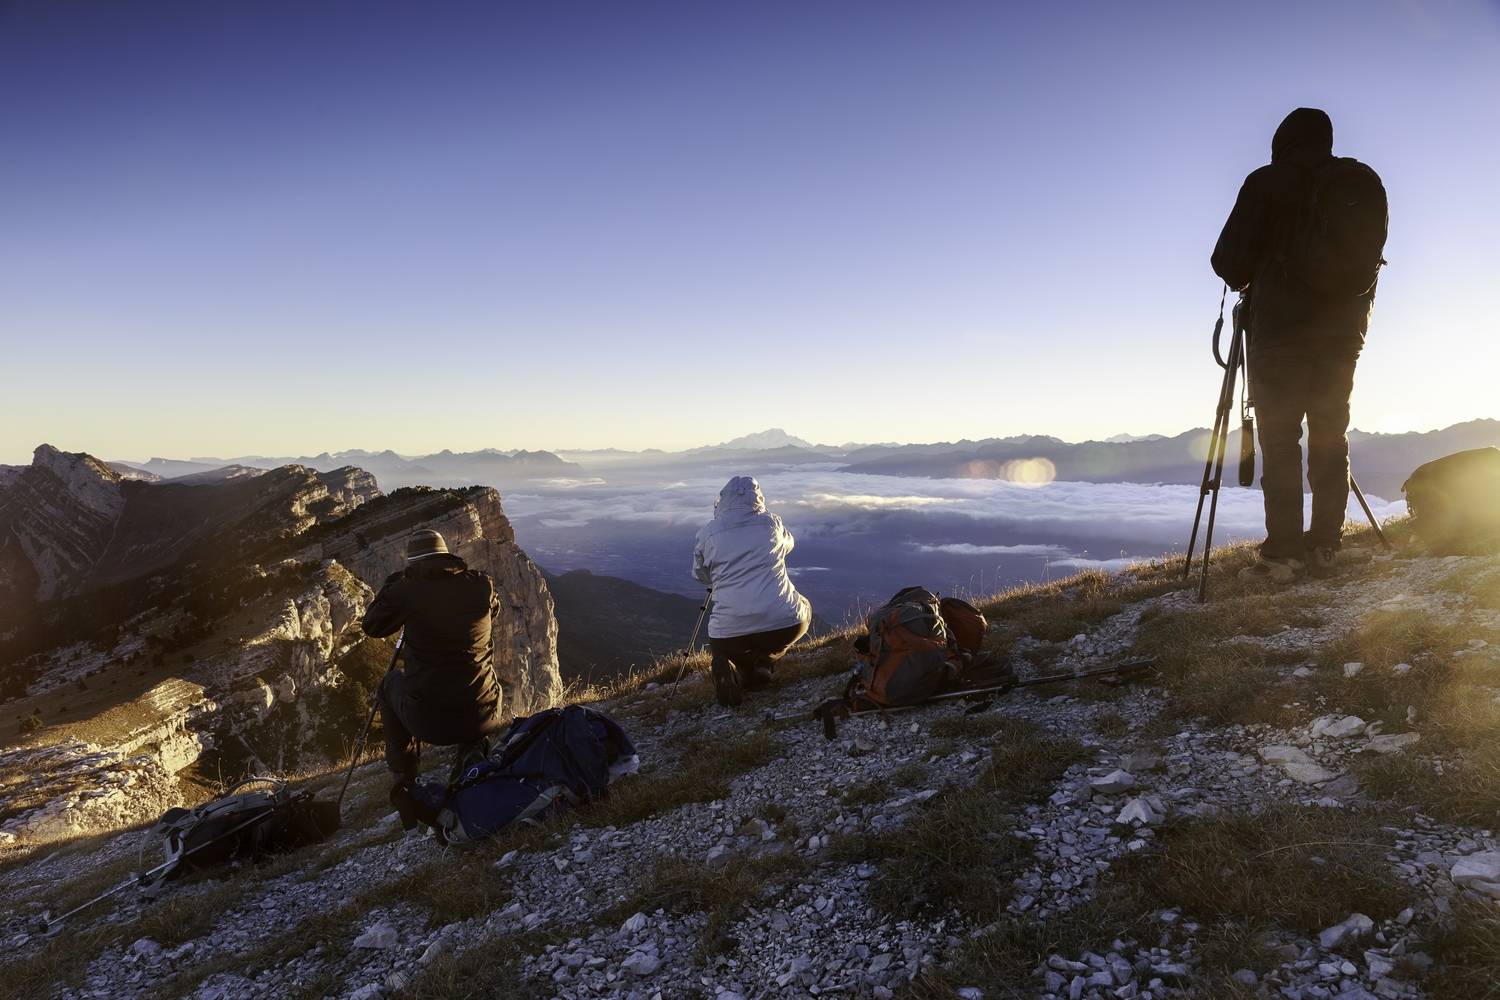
(1029, 471)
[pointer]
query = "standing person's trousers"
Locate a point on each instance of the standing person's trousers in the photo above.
(1291, 380)
(747, 652)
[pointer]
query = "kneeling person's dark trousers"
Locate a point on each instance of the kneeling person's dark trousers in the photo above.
(758, 649)
(405, 723)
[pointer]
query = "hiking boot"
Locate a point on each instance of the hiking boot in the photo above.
(1274, 570)
(726, 685)
(1323, 560)
(760, 677)
(466, 757)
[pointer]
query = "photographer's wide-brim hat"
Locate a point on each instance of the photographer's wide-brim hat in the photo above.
(425, 544)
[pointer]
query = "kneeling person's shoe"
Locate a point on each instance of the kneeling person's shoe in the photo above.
(760, 677)
(1323, 561)
(726, 685)
(1274, 570)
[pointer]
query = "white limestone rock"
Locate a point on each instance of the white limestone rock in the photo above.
(1479, 872)
(1113, 783)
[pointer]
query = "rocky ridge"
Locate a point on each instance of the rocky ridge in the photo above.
(576, 921)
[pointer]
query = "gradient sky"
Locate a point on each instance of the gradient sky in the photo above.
(279, 228)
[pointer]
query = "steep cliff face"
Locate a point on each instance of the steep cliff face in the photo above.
(58, 516)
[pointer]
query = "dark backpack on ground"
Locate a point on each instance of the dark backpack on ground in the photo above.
(1340, 230)
(270, 820)
(545, 763)
(1454, 501)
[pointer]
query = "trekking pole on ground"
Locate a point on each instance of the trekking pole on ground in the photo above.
(838, 707)
(707, 599)
(1213, 466)
(374, 701)
(1385, 542)
(137, 879)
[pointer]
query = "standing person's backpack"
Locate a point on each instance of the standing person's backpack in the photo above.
(1340, 230)
(1455, 500)
(546, 762)
(908, 655)
(239, 824)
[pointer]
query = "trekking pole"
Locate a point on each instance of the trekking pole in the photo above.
(1385, 542)
(707, 598)
(374, 701)
(837, 706)
(136, 879)
(1221, 414)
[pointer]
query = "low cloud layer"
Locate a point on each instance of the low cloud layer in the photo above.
(862, 537)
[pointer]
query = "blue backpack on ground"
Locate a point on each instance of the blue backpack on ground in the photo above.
(545, 763)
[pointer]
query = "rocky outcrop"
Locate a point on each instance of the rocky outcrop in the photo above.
(81, 788)
(70, 523)
(57, 518)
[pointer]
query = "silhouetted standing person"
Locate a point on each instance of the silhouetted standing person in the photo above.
(1305, 237)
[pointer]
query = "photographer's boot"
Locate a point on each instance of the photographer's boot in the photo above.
(726, 684)
(1272, 569)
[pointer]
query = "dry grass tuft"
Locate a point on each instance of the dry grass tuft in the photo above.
(1290, 867)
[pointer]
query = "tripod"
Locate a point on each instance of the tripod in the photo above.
(1218, 441)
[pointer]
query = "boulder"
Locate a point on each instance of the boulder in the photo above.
(1113, 783)
(1392, 743)
(1479, 872)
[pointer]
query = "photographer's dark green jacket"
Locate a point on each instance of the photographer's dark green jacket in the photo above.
(448, 611)
(1260, 228)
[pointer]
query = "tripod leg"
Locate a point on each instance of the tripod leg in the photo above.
(1385, 542)
(1221, 446)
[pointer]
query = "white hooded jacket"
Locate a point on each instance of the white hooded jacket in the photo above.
(741, 554)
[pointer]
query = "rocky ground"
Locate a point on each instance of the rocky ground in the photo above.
(752, 858)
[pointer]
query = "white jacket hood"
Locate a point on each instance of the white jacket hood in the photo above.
(741, 554)
(740, 493)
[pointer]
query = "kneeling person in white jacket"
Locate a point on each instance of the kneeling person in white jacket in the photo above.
(757, 613)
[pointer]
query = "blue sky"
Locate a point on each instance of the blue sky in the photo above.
(280, 228)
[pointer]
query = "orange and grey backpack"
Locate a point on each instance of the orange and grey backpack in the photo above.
(916, 646)
(907, 656)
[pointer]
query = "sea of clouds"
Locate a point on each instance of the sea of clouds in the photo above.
(861, 537)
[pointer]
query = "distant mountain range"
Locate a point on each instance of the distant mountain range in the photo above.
(1381, 462)
(445, 468)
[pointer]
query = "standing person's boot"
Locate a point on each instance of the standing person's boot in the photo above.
(1273, 569)
(1323, 560)
(726, 684)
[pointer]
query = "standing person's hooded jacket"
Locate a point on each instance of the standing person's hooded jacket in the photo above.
(448, 611)
(741, 554)
(1260, 228)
